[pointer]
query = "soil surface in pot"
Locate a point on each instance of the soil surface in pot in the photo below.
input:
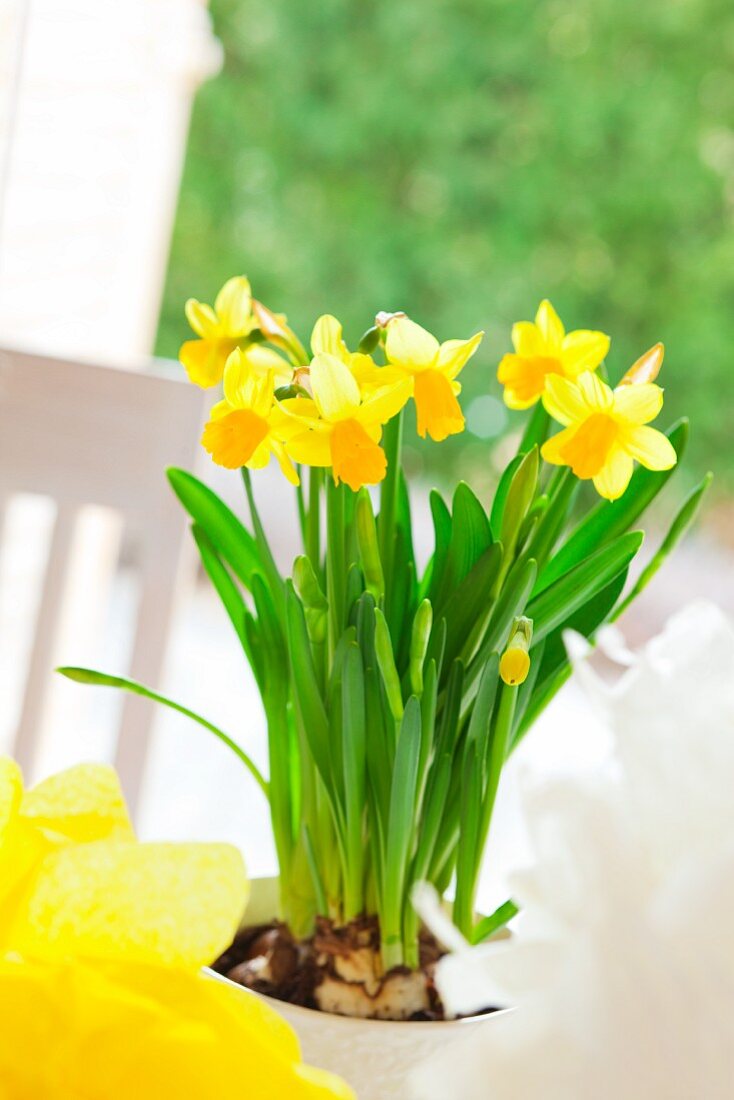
(336, 970)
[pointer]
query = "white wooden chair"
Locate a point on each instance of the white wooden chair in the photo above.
(87, 434)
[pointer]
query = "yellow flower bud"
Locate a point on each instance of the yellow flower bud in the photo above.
(514, 666)
(515, 661)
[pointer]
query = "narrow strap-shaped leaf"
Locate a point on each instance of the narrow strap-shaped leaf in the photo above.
(102, 679)
(309, 703)
(442, 538)
(495, 922)
(500, 493)
(231, 539)
(469, 607)
(565, 596)
(520, 496)
(536, 429)
(678, 528)
(470, 538)
(226, 589)
(354, 756)
(611, 518)
(269, 568)
(401, 831)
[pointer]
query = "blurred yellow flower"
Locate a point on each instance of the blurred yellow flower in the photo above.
(219, 330)
(542, 349)
(101, 944)
(248, 425)
(338, 426)
(432, 370)
(605, 430)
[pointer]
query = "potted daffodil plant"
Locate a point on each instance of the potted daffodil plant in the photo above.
(394, 695)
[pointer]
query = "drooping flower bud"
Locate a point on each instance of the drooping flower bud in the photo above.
(515, 661)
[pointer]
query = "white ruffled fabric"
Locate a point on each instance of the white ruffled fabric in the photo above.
(622, 966)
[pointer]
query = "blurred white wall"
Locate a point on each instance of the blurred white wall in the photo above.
(95, 97)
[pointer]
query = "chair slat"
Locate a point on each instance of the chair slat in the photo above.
(42, 653)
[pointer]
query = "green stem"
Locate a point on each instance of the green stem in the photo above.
(466, 888)
(313, 519)
(389, 495)
(335, 563)
(275, 581)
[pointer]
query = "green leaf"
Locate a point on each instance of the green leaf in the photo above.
(470, 605)
(102, 679)
(308, 700)
(611, 518)
(442, 538)
(520, 495)
(401, 831)
(678, 528)
(230, 538)
(511, 602)
(470, 537)
(491, 925)
(386, 664)
(565, 596)
(481, 711)
(354, 755)
(500, 493)
(536, 429)
(226, 589)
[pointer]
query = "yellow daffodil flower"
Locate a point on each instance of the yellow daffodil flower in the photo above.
(219, 330)
(544, 349)
(432, 370)
(101, 944)
(248, 425)
(605, 430)
(338, 426)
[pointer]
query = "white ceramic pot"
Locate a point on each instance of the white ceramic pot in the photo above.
(375, 1056)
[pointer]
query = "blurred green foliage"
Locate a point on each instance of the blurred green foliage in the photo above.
(461, 159)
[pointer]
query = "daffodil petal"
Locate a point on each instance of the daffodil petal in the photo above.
(553, 448)
(202, 318)
(172, 904)
(453, 355)
(550, 327)
(614, 477)
(651, 448)
(263, 359)
(563, 400)
(584, 350)
(335, 389)
(410, 345)
(234, 306)
(232, 439)
(356, 457)
(302, 411)
(246, 388)
(385, 403)
(311, 448)
(84, 803)
(327, 337)
(284, 461)
(638, 403)
(204, 360)
(597, 395)
(526, 339)
(438, 413)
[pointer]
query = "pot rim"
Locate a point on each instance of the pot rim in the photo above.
(333, 1018)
